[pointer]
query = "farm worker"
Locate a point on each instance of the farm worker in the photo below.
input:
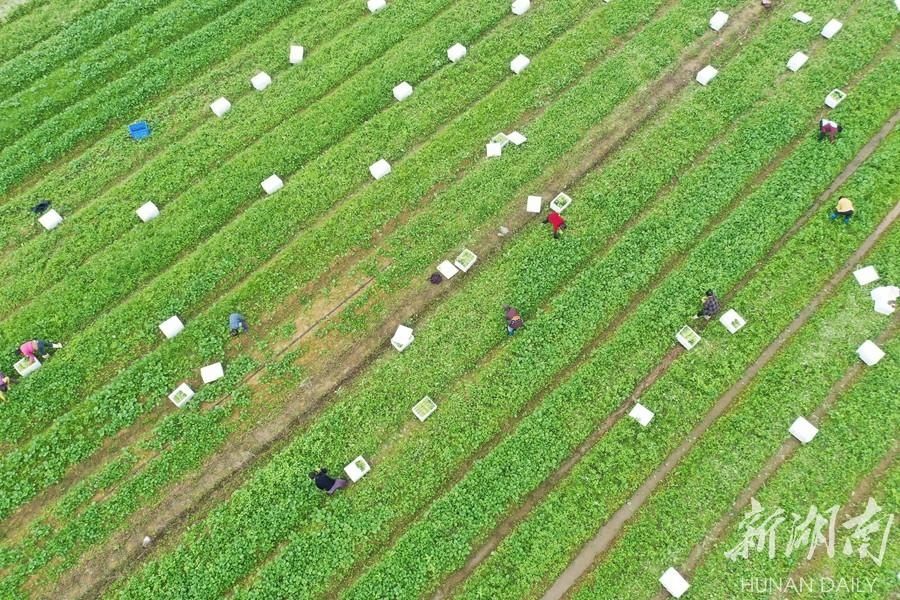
(4, 385)
(237, 323)
(710, 306)
(514, 320)
(555, 219)
(844, 209)
(829, 129)
(30, 348)
(326, 483)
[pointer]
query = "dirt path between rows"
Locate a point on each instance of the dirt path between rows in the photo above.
(610, 531)
(7, 6)
(216, 483)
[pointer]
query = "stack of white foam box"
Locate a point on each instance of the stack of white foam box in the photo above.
(50, 219)
(220, 107)
(796, 61)
(519, 63)
(147, 212)
(212, 372)
(295, 55)
(641, 414)
(706, 74)
(380, 168)
(456, 52)
(402, 91)
(870, 353)
(171, 327)
(831, 28)
(403, 337)
(261, 81)
(534, 204)
(674, 583)
(803, 430)
(718, 20)
(272, 184)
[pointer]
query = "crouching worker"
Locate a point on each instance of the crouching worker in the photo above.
(34, 348)
(844, 209)
(710, 306)
(325, 483)
(4, 385)
(514, 320)
(829, 129)
(237, 323)
(555, 219)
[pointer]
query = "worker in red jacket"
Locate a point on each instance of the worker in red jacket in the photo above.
(555, 219)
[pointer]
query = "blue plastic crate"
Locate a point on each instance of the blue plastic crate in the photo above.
(139, 130)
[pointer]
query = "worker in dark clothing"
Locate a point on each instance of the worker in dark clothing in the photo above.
(555, 219)
(710, 306)
(514, 320)
(325, 483)
(829, 129)
(237, 323)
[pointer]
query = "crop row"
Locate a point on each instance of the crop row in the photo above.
(856, 435)
(118, 101)
(533, 552)
(374, 401)
(851, 568)
(620, 25)
(49, 549)
(86, 32)
(727, 457)
(25, 29)
(205, 335)
(112, 59)
(115, 160)
(544, 438)
(149, 250)
(193, 175)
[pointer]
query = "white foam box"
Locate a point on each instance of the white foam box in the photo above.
(424, 408)
(870, 353)
(706, 74)
(171, 327)
(718, 20)
(220, 107)
(802, 17)
(687, 337)
(375, 5)
(834, 98)
(447, 269)
(519, 63)
(50, 219)
(500, 138)
(796, 61)
(212, 372)
(147, 212)
(357, 468)
(272, 184)
(732, 321)
(465, 260)
(25, 366)
(403, 337)
(520, 7)
(561, 202)
(181, 395)
(534, 204)
(493, 149)
(883, 296)
(295, 54)
(831, 28)
(261, 81)
(380, 168)
(402, 91)
(456, 52)
(866, 275)
(674, 583)
(803, 430)
(641, 414)
(517, 138)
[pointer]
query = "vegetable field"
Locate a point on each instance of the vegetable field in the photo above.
(169, 165)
